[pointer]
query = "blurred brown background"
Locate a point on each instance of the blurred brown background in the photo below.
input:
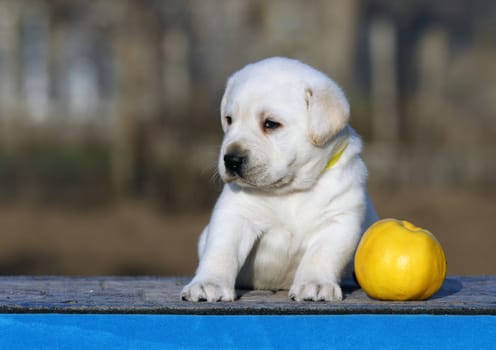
(109, 120)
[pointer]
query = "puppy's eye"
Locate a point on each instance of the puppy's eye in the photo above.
(269, 125)
(228, 120)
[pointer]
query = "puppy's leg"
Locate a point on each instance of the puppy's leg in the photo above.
(318, 275)
(224, 246)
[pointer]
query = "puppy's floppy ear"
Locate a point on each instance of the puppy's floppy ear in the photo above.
(328, 112)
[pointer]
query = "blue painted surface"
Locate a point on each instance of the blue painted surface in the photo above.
(55, 331)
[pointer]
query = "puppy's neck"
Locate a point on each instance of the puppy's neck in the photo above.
(340, 144)
(325, 160)
(338, 151)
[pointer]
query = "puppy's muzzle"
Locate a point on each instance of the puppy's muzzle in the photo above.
(234, 163)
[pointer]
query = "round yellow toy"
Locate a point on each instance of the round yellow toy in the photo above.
(395, 260)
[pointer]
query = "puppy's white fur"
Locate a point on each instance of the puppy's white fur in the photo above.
(284, 221)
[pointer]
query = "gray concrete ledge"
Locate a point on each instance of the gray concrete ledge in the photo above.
(461, 295)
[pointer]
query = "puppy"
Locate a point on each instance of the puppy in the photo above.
(294, 203)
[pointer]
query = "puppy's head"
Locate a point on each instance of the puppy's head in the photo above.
(278, 115)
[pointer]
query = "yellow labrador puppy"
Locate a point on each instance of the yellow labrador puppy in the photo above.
(294, 202)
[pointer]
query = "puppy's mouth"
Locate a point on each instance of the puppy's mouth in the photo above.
(257, 180)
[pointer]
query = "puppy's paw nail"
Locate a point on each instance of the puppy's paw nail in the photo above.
(312, 291)
(330, 292)
(206, 291)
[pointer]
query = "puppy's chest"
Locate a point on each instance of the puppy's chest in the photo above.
(291, 222)
(287, 228)
(290, 231)
(287, 232)
(285, 243)
(276, 255)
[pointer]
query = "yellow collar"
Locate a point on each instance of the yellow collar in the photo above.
(336, 156)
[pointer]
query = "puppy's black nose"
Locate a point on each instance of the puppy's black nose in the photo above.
(233, 163)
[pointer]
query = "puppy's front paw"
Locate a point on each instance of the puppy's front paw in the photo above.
(314, 291)
(207, 291)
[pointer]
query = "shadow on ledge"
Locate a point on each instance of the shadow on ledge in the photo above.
(450, 286)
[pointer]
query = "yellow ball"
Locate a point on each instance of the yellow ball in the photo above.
(395, 260)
